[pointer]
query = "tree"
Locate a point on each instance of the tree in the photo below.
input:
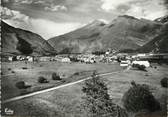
(55, 76)
(97, 100)
(139, 98)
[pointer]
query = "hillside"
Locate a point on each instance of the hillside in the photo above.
(125, 32)
(163, 19)
(159, 44)
(18, 41)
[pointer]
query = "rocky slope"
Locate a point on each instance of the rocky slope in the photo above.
(160, 43)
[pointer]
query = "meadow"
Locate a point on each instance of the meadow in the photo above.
(67, 101)
(14, 72)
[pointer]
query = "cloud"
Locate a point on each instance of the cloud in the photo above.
(43, 27)
(136, 11)
(109, 5)
(40, 2)
(24, 1)
(103, 20)
(149, 9)
(5, 12)
(56, 8)
(5, 1)
(166, 4)
(12, 14)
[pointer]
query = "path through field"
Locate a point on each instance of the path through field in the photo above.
(51, 89)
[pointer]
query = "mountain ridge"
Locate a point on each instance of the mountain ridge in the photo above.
(124, 32)
(19, 41)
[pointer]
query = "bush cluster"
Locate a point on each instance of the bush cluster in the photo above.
(140, 67)
(20, 85)
(164, 82)
(55, 76)
(24, 68)
(76, 73)
(41, 79)
(139, 98)
(9, 69)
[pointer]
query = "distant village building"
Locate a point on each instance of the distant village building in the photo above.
(66, 60)
(10, 58)
(145, 63)
(45, 58)
(125, 63)
(107, 53)
(141, 55)
(29, 58)
(18, 57)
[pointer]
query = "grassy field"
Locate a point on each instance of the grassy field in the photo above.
(66, 102)
(19, 71)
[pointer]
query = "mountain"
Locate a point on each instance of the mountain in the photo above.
(123, 33)
(18, 41)
(163, 19)
(79, 40)
(159, 44)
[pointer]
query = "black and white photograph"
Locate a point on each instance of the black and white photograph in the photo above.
(84, 58)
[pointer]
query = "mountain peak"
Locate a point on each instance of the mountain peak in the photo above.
(96, 23)
(163, 19)
(127, 17)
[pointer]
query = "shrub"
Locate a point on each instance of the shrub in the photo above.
(24, 91)
(55, 76)
(20, 85)
(9, 69)
(97, 101)
(41, 79)
(12, 71)
(140, 67)
(146, 74)
(164, 82)
(139, 98)
(24, 68)
(76, 73)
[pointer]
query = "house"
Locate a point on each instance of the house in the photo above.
(141, 55)
(66, 60)
(125, 63)
(44, 58)
(18, 58)
(145, 63)
(10, 58)
(107, 53)
(29, 58)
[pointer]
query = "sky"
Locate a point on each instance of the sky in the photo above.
(50, 18)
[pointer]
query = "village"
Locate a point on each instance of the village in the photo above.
(125, 59)
(57, 81)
